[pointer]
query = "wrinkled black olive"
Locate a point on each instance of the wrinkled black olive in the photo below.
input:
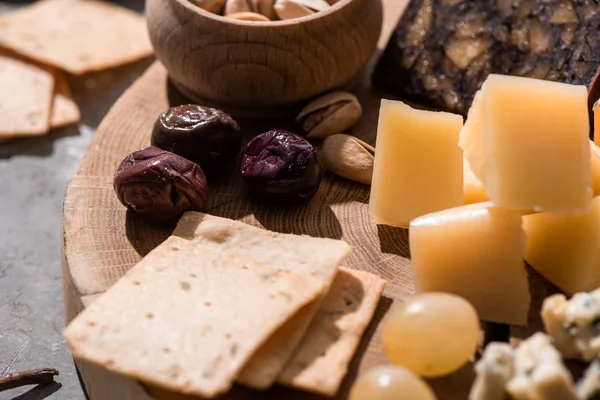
(281, 165)
(206, 136)
(160, 185)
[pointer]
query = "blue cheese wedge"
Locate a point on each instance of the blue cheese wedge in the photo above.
(539, 372)
(493, 371)
(588, 387)
(574, 324)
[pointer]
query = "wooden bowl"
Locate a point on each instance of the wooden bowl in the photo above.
(262, 68)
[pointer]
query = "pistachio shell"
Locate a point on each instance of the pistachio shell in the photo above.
(266, 8)
(288, 9)
(349, 157)
(213, 6)
(330, 114)
(248, 16)
(238, 6)
(317, 5)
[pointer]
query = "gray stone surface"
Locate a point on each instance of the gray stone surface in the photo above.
(33, 176)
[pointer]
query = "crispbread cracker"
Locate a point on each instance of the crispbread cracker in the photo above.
(321, 360)
(26, 93)
(77, 36)
(316, 257)
(188, 317)
(64, 109)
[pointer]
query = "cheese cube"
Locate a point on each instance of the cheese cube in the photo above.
(595, 161)
(566, 248)
(474, 191)
(471, 138)
(476, 252)
(418, 164)
(528, 143)
(596, 110)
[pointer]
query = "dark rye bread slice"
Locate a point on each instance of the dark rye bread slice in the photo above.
(188, 317)
(442, 50)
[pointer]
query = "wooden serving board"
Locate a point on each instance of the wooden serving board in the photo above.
(101, 240)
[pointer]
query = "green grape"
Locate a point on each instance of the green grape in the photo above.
(432, 334)
(389, 382)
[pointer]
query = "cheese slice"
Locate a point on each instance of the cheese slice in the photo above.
(565, 248)
(418, 164)
(476, 252)
(527, 141)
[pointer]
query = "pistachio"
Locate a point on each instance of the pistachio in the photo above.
(349, 157)
(330, 114)
(266, 8)
(317, 5)
(248, 16)
(238, 6)
(288, 9)
(213, 6)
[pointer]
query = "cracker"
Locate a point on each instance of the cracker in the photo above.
(26, 93)
(321, 360)
(315, 257)
(65, 110)
(77, 36)
(188, 317)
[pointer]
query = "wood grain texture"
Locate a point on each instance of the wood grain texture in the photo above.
(251, 68)
(101, 240)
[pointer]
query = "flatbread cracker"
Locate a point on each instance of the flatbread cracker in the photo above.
(77, 36)
(321, 360)
(26, 93)
(315, 257)
(65, 110)
(188, 317)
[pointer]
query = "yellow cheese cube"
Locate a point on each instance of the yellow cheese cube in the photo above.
(418, 164)
(595, 161)
(474, 191)
(471, 138)
(528, 143)
(596, 110)
(565, 248)
(476, 252)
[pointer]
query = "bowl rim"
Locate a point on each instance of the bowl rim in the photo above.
(340, 4)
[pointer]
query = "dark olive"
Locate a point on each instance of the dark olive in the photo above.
(282, 166)
(206, 136)
(160, 185)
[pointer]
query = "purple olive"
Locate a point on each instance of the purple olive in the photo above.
(160, 185)
(281, 165)
(206, 136)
